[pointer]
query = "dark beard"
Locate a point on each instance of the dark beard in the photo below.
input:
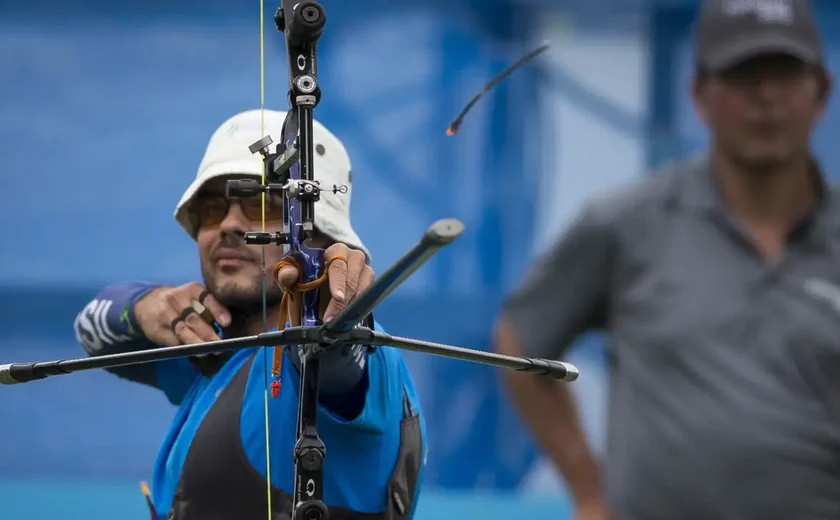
(245, 305)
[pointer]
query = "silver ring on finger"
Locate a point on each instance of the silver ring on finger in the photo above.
(203, 312)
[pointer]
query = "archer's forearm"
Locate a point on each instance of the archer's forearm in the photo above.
(106, 326)
(343, 382)
(549, 412)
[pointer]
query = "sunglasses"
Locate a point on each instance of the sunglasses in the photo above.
(211, 210)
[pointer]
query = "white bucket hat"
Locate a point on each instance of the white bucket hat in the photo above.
(227, 154)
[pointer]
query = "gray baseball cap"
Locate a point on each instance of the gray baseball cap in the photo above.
(732, 31)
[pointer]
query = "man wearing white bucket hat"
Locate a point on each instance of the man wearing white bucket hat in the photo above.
(227, 154)
(370, 416)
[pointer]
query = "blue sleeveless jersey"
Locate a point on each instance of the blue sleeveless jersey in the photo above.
(360, 453)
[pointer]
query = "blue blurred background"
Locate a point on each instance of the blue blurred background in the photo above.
(105, 110)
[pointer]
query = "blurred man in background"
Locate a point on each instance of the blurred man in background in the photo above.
(718, 283)
(212, 464)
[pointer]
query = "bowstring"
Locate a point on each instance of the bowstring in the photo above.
(262, 266)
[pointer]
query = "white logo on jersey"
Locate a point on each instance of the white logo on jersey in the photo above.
(92, 330)
(358, 353)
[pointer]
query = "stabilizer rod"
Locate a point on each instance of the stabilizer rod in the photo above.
(16, 373)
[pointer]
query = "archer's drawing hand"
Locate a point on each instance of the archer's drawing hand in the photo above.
(164, 318)
(346, 278)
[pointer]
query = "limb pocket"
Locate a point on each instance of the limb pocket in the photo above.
(403, 482)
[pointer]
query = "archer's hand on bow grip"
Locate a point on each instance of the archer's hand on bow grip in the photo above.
(347, 275)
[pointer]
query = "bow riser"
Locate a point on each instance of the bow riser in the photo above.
(302, 24)
(302, 30)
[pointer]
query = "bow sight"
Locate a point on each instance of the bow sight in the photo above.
(287, 171)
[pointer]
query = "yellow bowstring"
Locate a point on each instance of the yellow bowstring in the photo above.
(265, 310)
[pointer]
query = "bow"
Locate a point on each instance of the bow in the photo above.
(288, 172)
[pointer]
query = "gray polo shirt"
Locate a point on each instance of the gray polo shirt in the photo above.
(725, 369)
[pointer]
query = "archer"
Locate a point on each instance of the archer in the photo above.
(212, 463)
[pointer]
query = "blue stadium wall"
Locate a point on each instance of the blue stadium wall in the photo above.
(105, 110)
